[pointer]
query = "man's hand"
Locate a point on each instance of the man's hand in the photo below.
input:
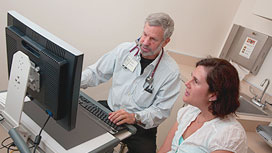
(121, 116)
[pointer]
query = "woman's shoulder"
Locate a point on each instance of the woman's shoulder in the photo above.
(228, 122)
(228, 125)
(229, 134)
(187, 111)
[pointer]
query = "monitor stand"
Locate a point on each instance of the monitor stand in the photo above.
(17, 86)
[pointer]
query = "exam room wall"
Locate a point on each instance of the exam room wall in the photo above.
(246, 16)
(95, 27)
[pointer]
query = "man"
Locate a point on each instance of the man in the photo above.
(145, 82)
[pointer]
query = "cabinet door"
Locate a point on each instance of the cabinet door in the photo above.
(262, 8)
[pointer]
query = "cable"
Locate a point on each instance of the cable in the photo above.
(2, 143)
(8, 145)
(266, 102)
(36, 141)
(8, 149)
(39, 137)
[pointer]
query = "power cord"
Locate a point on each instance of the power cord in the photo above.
(8, 146)
(36, 141)
(266, 102)
(39, 137)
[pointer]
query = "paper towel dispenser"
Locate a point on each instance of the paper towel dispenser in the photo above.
(246, 47)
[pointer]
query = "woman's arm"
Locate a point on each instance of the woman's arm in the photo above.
(168, 141)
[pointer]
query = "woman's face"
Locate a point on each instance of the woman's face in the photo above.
(196, 92)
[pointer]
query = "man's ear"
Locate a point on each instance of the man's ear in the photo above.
(166, 42)
(213, 97)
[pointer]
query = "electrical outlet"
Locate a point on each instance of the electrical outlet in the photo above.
(25, 134)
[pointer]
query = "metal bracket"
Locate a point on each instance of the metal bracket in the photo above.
(34, 78)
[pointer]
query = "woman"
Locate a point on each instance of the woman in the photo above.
(208, 123)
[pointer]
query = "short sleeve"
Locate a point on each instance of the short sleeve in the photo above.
(233, 138)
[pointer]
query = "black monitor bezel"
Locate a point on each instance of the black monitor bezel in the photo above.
(26, 32)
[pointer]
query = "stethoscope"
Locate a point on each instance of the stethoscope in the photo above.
(149, 80)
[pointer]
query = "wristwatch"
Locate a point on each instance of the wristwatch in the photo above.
(137, 118)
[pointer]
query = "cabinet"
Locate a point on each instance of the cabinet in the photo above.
(246, 47)
(263, 8)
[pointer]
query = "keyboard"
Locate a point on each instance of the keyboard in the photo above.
(99, 113)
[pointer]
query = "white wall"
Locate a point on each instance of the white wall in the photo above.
(245, 17)
(95, 27)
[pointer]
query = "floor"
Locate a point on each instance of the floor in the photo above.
(4, 135)
(117, 149)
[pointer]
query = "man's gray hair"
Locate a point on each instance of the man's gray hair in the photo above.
(163, 20)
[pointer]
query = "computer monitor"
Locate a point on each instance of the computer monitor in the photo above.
(55, 74)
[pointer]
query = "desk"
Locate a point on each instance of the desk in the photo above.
(29, 128)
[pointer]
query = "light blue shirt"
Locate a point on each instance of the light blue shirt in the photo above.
(127, 90)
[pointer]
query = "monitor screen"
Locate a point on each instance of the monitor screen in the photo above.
(54, 81)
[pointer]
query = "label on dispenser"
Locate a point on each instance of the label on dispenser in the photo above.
(248, 47)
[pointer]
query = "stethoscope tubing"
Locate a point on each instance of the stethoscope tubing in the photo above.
(153, 72)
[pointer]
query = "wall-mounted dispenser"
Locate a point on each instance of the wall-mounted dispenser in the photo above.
(246, 47)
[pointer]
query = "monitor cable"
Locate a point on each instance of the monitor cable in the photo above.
(39, 137)
(8, 146)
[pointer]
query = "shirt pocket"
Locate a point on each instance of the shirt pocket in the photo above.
(141, 97)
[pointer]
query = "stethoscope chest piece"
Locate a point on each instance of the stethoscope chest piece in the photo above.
(148, 84)
(149, 80)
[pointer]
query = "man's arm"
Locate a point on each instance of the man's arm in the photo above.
(157, 112)
(167, 95)
(99, 72)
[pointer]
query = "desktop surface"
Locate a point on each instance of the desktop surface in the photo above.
(86, 129)
(81, 140)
